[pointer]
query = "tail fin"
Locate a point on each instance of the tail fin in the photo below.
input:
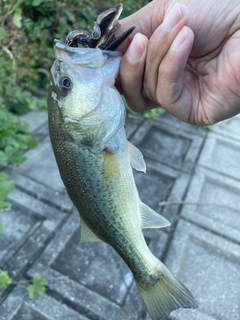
(166, 295)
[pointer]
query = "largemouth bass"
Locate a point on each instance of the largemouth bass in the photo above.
(95, 160)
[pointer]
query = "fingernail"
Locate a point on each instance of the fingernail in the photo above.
(137, 47)
(180, 38)
(172, 18)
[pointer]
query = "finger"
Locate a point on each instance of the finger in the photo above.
(159, 45)
(132, 71)
(144, 21)
(176, 86)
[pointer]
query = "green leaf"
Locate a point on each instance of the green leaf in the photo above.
(17, 18)
(210, 128)
(1, 228)
(17, 158)
(36, 3)
(14, 139)
(154, 112)
(3, 176)
(5, 280)
(31, 142)
(6, 186)
(3, 158)
(2, 33)
(37, 287)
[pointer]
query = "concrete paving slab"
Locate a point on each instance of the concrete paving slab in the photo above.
(41, 132)
(35, 119)
(223, 216)
(175, 148)
(26, 228)
(97, 277)
(229, 128)
(132, 123)
(196, 316)
(221, 154)
(37, 123)
(41, 166)
(171, 122)
(90, 281)
(23, 225)
(18, 306)
(59, 200)
(161, 183)
(34, 205)
(209, 266)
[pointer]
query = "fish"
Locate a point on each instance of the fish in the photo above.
(86, 116)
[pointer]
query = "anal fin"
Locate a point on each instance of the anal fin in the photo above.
(152, 219)
(86, 235)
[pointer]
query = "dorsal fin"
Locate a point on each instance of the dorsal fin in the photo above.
(136, 158)
(152, 219)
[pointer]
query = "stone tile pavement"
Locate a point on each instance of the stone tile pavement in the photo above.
(197, 172)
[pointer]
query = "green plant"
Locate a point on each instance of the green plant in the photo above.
(5, 280)
(27, 31)
(37, 287)
(6, 186)
(154, 112)
(14, 139)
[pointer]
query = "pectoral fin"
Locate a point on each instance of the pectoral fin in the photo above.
(86, 235)
(136, 158)
(152, 219)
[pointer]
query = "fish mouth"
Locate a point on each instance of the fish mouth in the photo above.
(85, 57)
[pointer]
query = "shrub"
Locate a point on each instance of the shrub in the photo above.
(27, 30)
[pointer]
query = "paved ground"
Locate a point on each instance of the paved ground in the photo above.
(202, 247)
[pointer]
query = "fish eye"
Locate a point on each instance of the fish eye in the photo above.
(65, 84)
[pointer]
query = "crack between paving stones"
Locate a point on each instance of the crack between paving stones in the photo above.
(22, 274)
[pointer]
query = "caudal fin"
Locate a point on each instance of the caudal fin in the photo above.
(166, 295)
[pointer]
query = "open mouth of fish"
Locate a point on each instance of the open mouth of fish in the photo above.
(103, 36)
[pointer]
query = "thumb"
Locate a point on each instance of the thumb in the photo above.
(175, 84)
(132, 72)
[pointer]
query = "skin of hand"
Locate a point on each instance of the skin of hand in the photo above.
(184, 56)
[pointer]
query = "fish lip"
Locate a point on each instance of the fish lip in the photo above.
(83, 57)
(63, 46)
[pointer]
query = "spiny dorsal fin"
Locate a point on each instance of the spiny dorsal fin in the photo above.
(152, 219)
(86, 235)
(136, 158)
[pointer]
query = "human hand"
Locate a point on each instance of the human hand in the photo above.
(184, 58)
